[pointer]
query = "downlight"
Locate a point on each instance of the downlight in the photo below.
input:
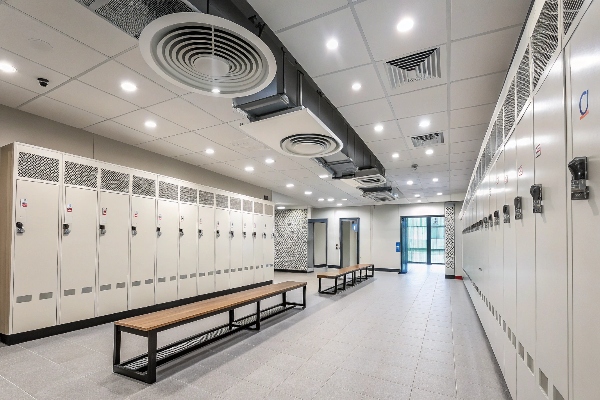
(207, 54)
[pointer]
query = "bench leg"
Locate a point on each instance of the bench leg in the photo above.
(353, 278)
(320, 286)
(117, 348)
(231, 319)
(336, 285)
(345, 281)
(258, 315)
(151, 372)
(304, 297)
(284, 299)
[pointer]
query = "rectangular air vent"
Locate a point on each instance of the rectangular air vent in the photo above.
(114, 181)
(38, 167)
(523, 82)
(235, 203)
(368, 178)
(258, 208)
(168, 190)
(80, 175)
(381, 194)
(206, 198)
(143, 186)
(509, 109)
(188, 195)
(222, 201)
(428, 139)
(268, 209)
(570, 10)
(247, 204)
(544, 39)
(414, 67)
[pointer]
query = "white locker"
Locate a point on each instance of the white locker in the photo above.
(188, 250)
(35, 275)
(78, 261)
(269, 248)
(236, 276)
(221, 249)
(167, 250)
(143, 251)
(113, 252)
(249, 237)
(259, 249)
(206, 249)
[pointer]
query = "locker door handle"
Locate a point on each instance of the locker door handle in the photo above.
(264, 235)
(200, 233)
(231, 234)
(158, 232)
(133, 231)
(102, 229)
(273, 235)
(180, 232)
(20, 228)
(66, 229)
(218, 233)
(244, 234)
(254, 235)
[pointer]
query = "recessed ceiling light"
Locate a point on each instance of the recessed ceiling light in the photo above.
(289, 185)
(339, 204)
(425, 123)
(128, 87)
(216, 91)
(395, 155)
(324, 176)
(417, 195)
(332, 44)
(321, 199)
(435, 179)
(440, 193)
(344, 199)
(6, 67)
(378, 128)
(429, 152)
(269, 161)
(281, 208)
(308, 193)
(356, 86)
(418, 201)
(209, 151)
(150, 124)
(249, 169)
(330, 199)
(405, 25)
(409, 182)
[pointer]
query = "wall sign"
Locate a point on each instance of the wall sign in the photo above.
(584, 104)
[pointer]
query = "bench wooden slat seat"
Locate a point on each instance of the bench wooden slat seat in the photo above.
(342, 273)
(143, 367)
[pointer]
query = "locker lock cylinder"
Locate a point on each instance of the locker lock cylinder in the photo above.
(20, 227)
(518, 202)
(180, 231)
(254, 235)
(496, 217)
(200, 233)
(102, 229)
(66, 229)
(133, 231)
(579, 175)
(536, 194)
(506, 212)
(244, 234)
(158, 232)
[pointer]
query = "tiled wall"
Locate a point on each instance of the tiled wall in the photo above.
(291, 238)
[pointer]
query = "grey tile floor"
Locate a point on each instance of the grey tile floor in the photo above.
(413, 336)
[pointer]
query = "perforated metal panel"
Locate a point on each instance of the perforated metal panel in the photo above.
(143, 186)
(523, 82)
(247, 205)
(168, 190)
(570, 10)
(258, 207)
(544, 39)
(113, 180)
(39, 167)
(206, 198)
(492, 140)
(268, 209)
(80, 175)
(235, 203)
(187, 194)
(222, 201)
(86, 3)
(509, 109)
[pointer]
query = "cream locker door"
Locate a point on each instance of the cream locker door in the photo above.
(269, 248)
(206, 250)
(167, 250)
(113, 253)
(78, 263)
(143, 251)
(258, 249)
(221, 249)
(36, 257)
(248, 252)
(188, 250)
(236, 250)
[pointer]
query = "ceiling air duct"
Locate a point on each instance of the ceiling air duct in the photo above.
(381, 193)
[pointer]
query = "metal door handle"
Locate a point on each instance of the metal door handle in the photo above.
(66, 229)
(102, 229)
(20, 228)
(133, 231)
(180, 232)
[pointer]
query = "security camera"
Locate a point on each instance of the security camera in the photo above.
(43, 82)
(414, 167)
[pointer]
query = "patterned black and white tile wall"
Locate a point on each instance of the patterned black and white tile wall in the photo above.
(450, 239)
(291, 240)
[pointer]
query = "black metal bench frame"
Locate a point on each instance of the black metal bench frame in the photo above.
(143, 367)
(355, 280)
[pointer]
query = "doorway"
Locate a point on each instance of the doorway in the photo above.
(422, 240)
(349, 241)
(317, 244)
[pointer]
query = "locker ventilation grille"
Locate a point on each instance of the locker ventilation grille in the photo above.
(268, 209)
(113, 180)
(132, 16)
(248, 205)
(222, 201)
(143, 186)
(509, 109)
(258, 208)
(492, 141)
(570, 10)
(168, 190)
(206, 198)
(544, 39)
(189, 195)
(235, 203)
(523, 81)
(86, 3)
(38, 167)
(500, 125)
(81, 175)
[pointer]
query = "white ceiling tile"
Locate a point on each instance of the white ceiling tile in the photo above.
(438, 122)
(161, 147)
(241, 164)
(461, 165)
(281, 163)
(338, 86)
(475, 91)
(307, 43)
(73, 19)
(198, 144)
(370, 112)
(13, 95)
(385, 146)
(483, 54)
(184, 114)
(472, 17)
(37, 42)
(218, 107)
(61, 112)
(434, 168)
(379, 20)
(198, 159)
(290, 12)
(90, 99)
(28, 73)
(468, 133)
(121, 133)
(424, 101)
(464, 147)
(137, 119)
(109, 76)
(468, 156)
(368, 133)
(471, 116)
(227, 170)
(223, 134)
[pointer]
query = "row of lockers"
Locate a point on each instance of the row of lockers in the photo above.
(530, 234)
(86, 245)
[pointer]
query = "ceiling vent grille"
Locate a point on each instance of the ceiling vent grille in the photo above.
(381, 194)
(428, 139)
(570, 10)
(369, 178)
(414, 67)
(544, 40)
(523, 82)
(509, 109)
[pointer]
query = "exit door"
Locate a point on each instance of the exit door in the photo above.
(422, 240)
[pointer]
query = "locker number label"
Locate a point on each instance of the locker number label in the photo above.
(23, 203)
(520, 170)
(104, 212)
(69, 208)
(538, 150)
(135, 214)
(505, 178)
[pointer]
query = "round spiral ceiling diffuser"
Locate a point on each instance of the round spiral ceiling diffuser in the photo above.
(310, 145)
(207, 54)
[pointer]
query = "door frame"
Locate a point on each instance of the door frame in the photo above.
(320, 221)
(357, 220)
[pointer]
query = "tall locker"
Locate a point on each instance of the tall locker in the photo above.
(492, 273)
(249, 236)
(143, 244)
(259, 247)
(551, 232)
(79, 246)
(206, 246)
(188, 250)
(269, 247)
(222, 241)
(167, 249)
(236, 276)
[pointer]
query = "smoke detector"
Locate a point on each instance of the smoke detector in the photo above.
(207, 54)
(414, 67)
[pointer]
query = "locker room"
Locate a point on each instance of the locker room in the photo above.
(299, 199)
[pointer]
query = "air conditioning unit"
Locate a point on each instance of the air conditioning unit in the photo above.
(381, 193)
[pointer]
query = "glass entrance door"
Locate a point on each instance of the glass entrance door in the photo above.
(423, 240)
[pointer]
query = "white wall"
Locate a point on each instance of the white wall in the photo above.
(320, 238)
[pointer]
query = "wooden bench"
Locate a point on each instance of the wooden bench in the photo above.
(143, 367)
(342, 273)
